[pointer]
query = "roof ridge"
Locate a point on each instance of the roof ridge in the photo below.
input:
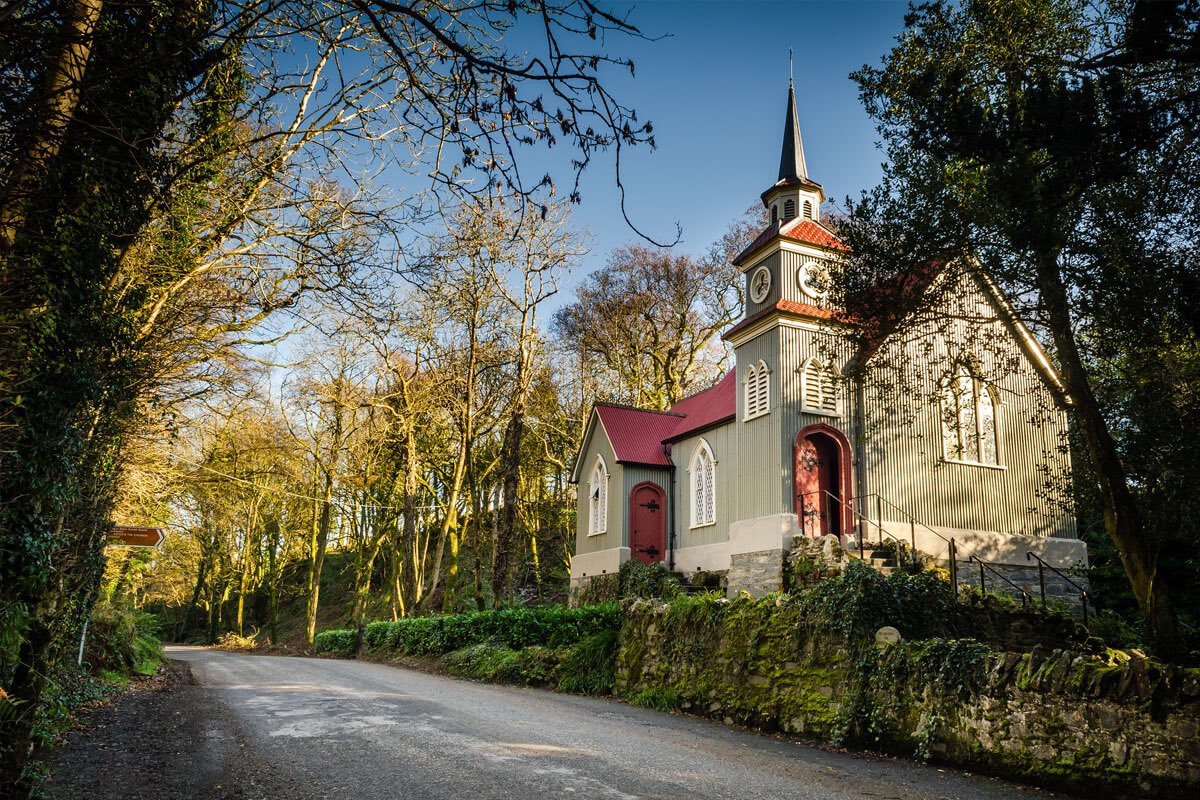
(624, 407)
(702, 391)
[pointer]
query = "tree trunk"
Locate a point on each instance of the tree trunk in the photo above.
(318, 561)
(1138, 554)
(510, 470)
(59, 101)
(201, 574)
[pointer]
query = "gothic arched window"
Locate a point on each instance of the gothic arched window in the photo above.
(598, 498)
(819, 387)
(970, 418)
(703, 474)
(757, 388)
(789, 208)
(808, 209)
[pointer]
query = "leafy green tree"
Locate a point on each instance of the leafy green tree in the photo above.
(1049, 139)
(121, 123)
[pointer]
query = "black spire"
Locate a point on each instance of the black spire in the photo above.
(791, 160)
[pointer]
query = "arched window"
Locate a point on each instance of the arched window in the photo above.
(774, 214)
(819, 387)
(808, 209)
(970, 418)
(598, 498)
(757, 387)
(704, 486)
(789, 208)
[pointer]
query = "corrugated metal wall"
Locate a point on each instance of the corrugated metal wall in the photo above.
(904, 450)
(614, 535)
(785, 285)
(724, 445)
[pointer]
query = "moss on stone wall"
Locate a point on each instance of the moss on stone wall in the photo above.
(808, 663)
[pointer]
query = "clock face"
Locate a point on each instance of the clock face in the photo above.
(814, 280)
(760, 284)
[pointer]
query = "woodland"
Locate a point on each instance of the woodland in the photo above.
(350, 401)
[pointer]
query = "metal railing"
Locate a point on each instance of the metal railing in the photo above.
(983, 565)
(913, 522)
(1042, 567)
(861, 523)
(856, 519)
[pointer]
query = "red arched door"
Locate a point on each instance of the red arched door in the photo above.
(647, 523)
(822, 479)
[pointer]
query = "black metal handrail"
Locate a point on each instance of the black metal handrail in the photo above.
(855, 514)
(983, 581)
(1042, 567)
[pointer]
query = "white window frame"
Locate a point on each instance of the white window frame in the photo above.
(951, 409)
(598, 497)
(702, 477)
(756, 391)
(828, 374)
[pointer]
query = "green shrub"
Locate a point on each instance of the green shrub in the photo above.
(647, 581)
(590, 666)
(515, 628)
(861, 600)
(336, 642)
(375, 636)
(657, 699)
(486, 661)
(122, 639)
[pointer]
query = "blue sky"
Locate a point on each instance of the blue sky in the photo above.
(715, 89)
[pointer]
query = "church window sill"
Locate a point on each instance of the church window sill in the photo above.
(974, 464)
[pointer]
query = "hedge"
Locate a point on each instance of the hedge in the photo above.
(514, 628)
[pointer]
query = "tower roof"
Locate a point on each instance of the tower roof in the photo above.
(791, 160)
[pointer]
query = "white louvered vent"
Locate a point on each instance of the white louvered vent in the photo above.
(819, 388)
(757, 386)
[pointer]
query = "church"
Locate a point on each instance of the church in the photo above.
(950, 438)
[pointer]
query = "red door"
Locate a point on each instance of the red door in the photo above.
(818, 474)
(647, 523)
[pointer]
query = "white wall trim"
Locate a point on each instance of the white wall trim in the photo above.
(602, 562)
(995, 547)
(772, 532)
(707, 557)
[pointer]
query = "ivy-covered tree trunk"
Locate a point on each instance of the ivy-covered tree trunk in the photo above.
(71, 372)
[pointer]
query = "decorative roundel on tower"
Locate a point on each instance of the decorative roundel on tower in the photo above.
(814, 280)
(760, 284)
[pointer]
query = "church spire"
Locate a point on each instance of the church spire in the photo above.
(794, 194)
(791, 160)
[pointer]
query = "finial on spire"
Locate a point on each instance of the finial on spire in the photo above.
(791, 160)
(790, 73)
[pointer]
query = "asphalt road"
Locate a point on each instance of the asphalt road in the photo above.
(318, 728)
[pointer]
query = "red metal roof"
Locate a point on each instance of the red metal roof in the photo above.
(707, 408)
(797, 229)
(812, 233)
(636, 434)
(639, 436)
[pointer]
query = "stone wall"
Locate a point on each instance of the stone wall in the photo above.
(758, 573)
(1053, 716)
(1059, 592)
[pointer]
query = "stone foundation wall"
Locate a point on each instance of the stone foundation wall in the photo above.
(1059, 593)
(1053, 716)
(758, 573)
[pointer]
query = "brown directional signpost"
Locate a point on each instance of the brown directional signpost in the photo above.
(135, 536)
